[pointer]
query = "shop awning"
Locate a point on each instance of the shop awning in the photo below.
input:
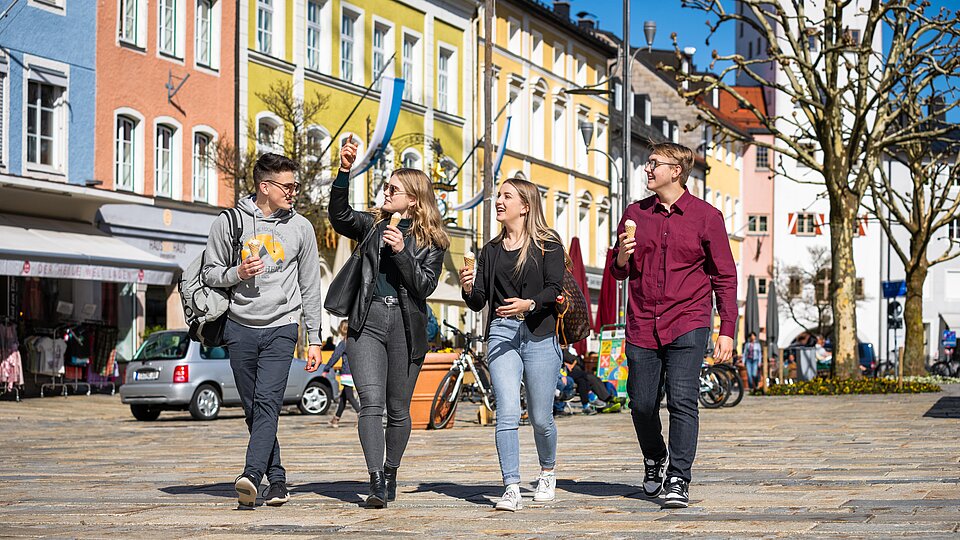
(37, 247)
(952, 320)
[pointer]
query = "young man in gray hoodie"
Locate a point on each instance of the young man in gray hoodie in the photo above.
(277, 281)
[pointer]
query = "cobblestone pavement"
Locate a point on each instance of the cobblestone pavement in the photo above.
(850, 467)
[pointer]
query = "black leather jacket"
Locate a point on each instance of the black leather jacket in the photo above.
(419, 271)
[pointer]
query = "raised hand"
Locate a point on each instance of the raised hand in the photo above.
(348, 154)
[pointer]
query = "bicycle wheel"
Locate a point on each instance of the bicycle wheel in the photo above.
(886, 369)
(483, 372)
(942, 369)
(712, 389)
(734, 385)
(444, 401)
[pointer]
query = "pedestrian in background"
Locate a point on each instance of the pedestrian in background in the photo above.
(518, 278)
(387, 336)
(676, 260)
(278, 280)
(752, 355)
(346, 378)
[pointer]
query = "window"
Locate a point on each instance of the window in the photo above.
(763, 158)
(561, 215)
(581, 70)
(314, 34)
(514, 36)
(203, 166)
(953, 229)
(860, 293)
(806, 224)
(581, 145)
(269, 136)
(3, 113)
(204, 32)
(348, 24)
(750, 50)
(517, 132)
(761, 286)
(410, 159)
(45, 124)
(317, 139)
(812, 42)
(380, 42)
(126, 151)
(600, 162)
(794, 287)
(132, 15)
(537, 127)
(852, 37)
(583, 224)
(757, 224)
(536, 49)
(559, 59)
(168, 27)
(410, 45)
(821, 286)
(445, 99)
(164, 161)
(265, 26)
(559, 133)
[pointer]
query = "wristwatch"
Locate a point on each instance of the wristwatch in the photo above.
(533, 305)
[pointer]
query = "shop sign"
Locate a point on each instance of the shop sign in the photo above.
(85, 272)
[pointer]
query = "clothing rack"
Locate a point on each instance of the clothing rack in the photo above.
(11, 320)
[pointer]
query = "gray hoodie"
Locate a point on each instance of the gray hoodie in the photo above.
(290, 283)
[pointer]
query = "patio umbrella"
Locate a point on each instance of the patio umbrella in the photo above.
(579, 272)
(607, 303)
(773, 324)
(751, 311)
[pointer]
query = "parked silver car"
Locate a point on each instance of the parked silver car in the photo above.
(171, 372)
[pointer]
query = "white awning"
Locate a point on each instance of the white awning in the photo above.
(952, 320)
(36, 247)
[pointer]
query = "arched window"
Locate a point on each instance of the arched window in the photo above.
(411, 159)
(269, 134)
(204, 167)
(126, 153)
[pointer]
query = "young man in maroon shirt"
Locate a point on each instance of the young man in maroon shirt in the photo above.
(677, 260)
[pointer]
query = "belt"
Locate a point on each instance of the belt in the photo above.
(387, 300)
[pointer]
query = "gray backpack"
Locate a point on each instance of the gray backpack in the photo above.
(205, 308)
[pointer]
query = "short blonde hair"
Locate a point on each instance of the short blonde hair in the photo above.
(679, 153)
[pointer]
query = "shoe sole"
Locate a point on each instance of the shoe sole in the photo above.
(675, 504)
(246, 493)
(551, 499)
(508, 508)
(277, 501)
(376, 502)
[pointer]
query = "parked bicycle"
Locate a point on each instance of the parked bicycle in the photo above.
(714, 387)
(946, 368)
(733, 381)
(452, 385)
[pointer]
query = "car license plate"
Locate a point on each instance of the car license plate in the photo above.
(146, 375)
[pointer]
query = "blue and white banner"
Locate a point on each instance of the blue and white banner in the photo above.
(497, 160)
(391, 96)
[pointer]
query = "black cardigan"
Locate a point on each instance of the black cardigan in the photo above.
(542, 282)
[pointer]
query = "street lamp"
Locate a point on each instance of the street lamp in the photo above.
(586, 131)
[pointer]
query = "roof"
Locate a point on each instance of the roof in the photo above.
(742, 116)
(539, 8)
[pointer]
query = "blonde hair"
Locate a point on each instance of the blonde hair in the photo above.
(536, 231)
(679, 153)
(427, 226)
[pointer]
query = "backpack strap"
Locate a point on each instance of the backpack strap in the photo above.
(236, 231)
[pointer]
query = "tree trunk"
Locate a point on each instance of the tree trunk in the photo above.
(843, 286)
(913, 356)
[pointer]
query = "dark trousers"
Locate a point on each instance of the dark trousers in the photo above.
(678, 364)
(260, 359)
(586, 382)
(347, 395)
(385, 378)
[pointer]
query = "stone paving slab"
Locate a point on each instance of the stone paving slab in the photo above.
(777, 467)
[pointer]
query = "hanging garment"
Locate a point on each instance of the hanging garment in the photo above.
(11, 366)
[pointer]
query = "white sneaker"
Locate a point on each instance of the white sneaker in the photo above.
(546, 487)
(511, 500)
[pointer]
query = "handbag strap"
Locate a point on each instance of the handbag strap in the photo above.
(373, 228)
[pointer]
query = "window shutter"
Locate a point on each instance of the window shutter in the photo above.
(792, 223)
(819, 223)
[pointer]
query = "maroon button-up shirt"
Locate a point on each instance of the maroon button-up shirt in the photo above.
(681, 258)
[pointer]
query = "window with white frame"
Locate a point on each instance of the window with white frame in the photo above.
(204, 172)
(411, 48)
(125, 170)
(537, 124)
(317, 140)
(603, 231)
(761, 286)
(164, 160)
(315, 34)
(381, 33)
(517, 132)
(3, 113)
(446, 97)
(132, 18)
(763, 158)
(600, 141)
(559, 59)
(536, 48)
(167, 27)
(269, 135)
(561, 214)
(514, 37)
(45, 124)
(581, 70)
(410, 159)
(806, 224)
(580, 144)
(348, 30)
(265, 16)
(584, 225)
(728, 217)
(205, 33)
(757, 224)
(953, 229)
(559, 130)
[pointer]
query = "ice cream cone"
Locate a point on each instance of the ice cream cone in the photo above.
(395, 219)
(630, 228)
(254, 246)
(468, 260)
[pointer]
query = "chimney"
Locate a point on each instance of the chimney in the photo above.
(562, 8)
(586, 21)
(935, 108)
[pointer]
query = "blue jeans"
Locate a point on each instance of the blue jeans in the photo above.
(566, 392)
(677, 364)
(515, 354)
(753, 367)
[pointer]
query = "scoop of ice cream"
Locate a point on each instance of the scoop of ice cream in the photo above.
(629, 227)
(254, 246)
(395, 219)
(468, 259)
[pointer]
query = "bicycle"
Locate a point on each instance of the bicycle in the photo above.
(714, 389)
(946, 368)
(448, 393)
(734, 383)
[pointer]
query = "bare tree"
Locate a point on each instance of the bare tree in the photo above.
(844, 94)
(803, 292)
(298, 139)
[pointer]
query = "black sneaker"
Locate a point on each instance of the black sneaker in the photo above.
(676, 496)
(276, 494)
(246, 493)
(653, 476)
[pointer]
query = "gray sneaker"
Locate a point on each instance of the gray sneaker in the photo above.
(511, 500)
(653, 476)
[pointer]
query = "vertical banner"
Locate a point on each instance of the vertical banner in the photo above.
(612, 364)
(391, 96)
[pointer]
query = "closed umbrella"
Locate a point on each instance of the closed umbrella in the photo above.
(773, 325)
(607, 303)
(751, 311)
(579, 272)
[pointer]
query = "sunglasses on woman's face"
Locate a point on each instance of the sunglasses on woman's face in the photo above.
(393, 190)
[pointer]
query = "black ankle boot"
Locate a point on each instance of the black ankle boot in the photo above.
(378, 491)
(390, 474)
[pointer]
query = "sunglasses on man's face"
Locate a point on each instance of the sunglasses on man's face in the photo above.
(290, 189)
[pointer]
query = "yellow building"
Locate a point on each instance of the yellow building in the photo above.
(336, 48)
(539, 54)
